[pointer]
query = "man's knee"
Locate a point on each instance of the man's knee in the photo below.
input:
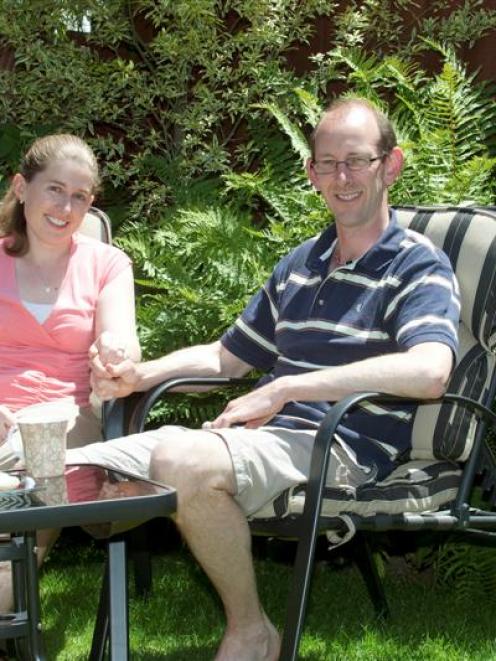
(194, 460)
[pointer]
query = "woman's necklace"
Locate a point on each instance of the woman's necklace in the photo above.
(47, 288)
(48, 285)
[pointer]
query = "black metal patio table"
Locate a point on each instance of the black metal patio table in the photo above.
(90, 496)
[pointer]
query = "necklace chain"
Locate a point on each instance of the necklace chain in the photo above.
(47, 287)
(45, 284)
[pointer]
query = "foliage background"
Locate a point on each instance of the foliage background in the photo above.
(198, 111)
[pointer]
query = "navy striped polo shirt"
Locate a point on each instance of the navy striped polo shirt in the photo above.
(400, 293)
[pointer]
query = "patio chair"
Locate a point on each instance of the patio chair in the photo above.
(450, 454)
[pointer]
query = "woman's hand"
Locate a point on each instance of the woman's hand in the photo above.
(7, 420)
(107, 349)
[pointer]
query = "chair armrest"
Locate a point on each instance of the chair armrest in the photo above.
(116, 414)
(149, 399)
(114, 418)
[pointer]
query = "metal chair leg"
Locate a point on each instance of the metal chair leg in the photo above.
(139, 553)
(33, 598)
(19, 583)
(118, 600)
(101, 630)
(298, 597)
(363, 557)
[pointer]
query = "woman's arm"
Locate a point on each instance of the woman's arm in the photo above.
(115, 322)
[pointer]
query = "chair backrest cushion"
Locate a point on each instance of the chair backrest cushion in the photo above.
(96, 224)
(468, 236)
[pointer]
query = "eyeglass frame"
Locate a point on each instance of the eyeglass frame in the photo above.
(345, 162)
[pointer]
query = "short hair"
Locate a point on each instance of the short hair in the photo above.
(43, 152)
(387, 135)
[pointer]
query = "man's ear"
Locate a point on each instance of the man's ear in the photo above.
(393, 164)
(19, 186)
(314, 180)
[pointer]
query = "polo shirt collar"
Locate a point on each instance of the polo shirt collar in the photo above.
(375, 259)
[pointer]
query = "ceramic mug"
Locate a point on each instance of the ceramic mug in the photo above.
(43, 431)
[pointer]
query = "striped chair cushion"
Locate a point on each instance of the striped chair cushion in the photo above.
(468, 237)
(415, 486)
(447, 431)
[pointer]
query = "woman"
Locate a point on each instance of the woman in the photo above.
(62, 295)
(59, 291)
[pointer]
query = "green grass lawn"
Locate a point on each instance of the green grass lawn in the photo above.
(182, 620)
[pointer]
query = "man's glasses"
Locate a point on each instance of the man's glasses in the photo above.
(353, 163)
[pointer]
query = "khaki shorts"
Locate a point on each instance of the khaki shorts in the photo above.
(266, 461)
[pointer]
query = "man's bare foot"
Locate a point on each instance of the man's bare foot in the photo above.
(261, 642)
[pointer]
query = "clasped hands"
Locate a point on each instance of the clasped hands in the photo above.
(113, 373)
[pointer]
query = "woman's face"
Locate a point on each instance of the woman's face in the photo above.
(55, 200)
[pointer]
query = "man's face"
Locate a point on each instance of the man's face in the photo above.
(356, 197)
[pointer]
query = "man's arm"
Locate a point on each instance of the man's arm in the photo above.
(420, 372)
(200, 360)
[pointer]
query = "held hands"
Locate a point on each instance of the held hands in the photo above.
(7, 420)
(108, 349)
(254, 409)
(113, 374)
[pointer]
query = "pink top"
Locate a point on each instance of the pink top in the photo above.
(43, 362)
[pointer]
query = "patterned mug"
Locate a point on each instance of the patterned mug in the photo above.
(44, 446)
(43, 429)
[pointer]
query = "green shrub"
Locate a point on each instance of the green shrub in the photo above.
(166, 91)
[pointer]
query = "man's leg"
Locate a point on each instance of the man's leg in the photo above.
(199, 466)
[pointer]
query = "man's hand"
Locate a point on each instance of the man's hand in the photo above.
(254, 409)
(7, 420)
(114, 380)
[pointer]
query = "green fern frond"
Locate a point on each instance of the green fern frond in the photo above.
(294, 133)
(469, 570)
(310, 105)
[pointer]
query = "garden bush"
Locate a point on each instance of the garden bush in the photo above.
(167, 91)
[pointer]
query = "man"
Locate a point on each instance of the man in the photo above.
(364, 306)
